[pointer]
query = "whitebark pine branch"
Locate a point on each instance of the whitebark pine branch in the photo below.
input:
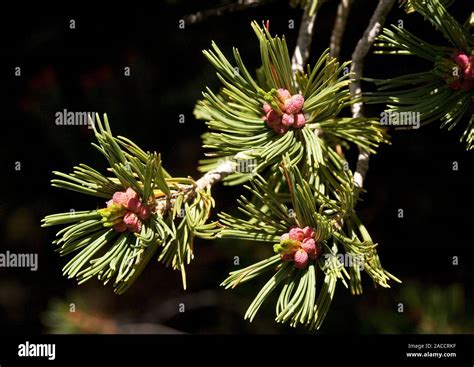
(360, 52)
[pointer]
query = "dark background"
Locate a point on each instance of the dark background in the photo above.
(82, 69)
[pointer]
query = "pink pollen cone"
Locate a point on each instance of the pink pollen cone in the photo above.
(469, 72)
(131, 193)
(144, 212)
(296, 234)
(120, 227)
(309, 246)
(266, 108)
(300, 121)
(287, 120)
(120, 198)
(461, 59)
(132, 222)
(294, 104)
(273, 119)
(283, 94)
(287, 256)
(471, 63)
(133, 205)
(308, 232)
(301, 259)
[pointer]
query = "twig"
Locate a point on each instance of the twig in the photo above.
(210, 178)
(361, 169)
(305, 35)
(375, 25)
(229, 8)
(224, 169)
(343, 10)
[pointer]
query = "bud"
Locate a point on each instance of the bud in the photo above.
(283, 94)
(132, 222)
(133, 205)
(120, 198)
(144, 212)
(273, 119)
(282, 110)
(125, 210)
(266, 108)
(294, 104)
(298, 246)
(299, 121)
(131, 194)
(461, 59)
(308, 232)
(112, 214)
(301, 259)
(287, 256)
(297, 234)
(287, 120)
(469, 72)
(120, 227)
(465, 63)
(310, 247)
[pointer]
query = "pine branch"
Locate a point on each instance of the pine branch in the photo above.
(214, 176)
(444, 92)
(343, 11)
(148, 212)
(165, 203)
(305, 35)
(299, 58)
(303, 202)
(361, 169)
(360, 52)
(375, 25)
(308, 244)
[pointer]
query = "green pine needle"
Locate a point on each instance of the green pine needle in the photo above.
(101, 251)
(236, 120)
(302, 298)
(433, 93)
